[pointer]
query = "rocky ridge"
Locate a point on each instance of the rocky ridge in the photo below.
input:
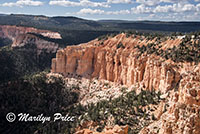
(32, 41)
(22, 36)
(12, 32)
(93, 90)
(97, 110)
(122, 64)
(26, 50)
(108, 130)
(127, 60)
(182, 115)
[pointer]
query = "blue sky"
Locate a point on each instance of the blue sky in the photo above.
(164, 10)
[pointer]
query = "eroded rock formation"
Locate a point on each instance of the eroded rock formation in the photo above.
(30, 38)
(22, 36)
(182, 116)
(12, 32)
(118, 59)
(104, 60)
(108, 130)
(35, 42)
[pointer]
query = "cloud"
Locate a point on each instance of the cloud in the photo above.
(90, 11)
(179, 17)
(163, 9)
(142, 9)
(173, 1)
(86, 11)
(170, 17)
(119, 1)
(148, 2)
(21, 3)
(188, 8)
(198, 7)
(120, 12)
(88, 3)
(85, 3)
(156, 2)
(173, 8)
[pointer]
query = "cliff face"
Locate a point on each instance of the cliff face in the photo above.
(170, 65)
(34, 42)
(108, 130)
(24, 37)
(182, 115)
(12, 32)
(110, 61)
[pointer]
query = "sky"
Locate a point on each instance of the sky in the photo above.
(162, 10)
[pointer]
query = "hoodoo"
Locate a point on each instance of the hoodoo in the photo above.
(169, 64)
(124, 60)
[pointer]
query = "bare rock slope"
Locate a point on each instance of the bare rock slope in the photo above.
(118, 59)
(168, 64)
(27, 36)
(12, 32)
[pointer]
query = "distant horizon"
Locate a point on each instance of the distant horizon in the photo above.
(100, 19)
(153, 10)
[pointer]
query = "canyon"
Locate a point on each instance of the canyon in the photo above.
(136, 82)
(108, 68)
(123, 59)
(29, 36)
(12, 32)
(34, 42)
(103, 60)
(26, 50)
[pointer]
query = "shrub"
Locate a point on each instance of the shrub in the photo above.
(120, 45)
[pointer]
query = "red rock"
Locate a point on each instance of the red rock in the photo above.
(113, 130)
(12, 32)
(117, 65)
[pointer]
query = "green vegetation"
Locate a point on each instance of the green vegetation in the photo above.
(73, 30)
(34, 95)
(103, 37)
(5, 42)
(16, 63)
(76, 30)
(75, 86)
(187, 51)
(125, 110)
(147, 34)
(58, 41)
(24, 91)
(149, 49)
(106, 36)
(120, 45)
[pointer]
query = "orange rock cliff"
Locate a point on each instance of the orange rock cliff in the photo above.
(122, 65)
(22, 36)
(118, 59)
(12, 32)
